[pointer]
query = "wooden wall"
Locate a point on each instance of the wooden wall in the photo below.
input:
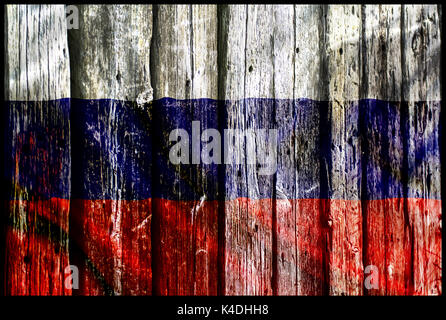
(353, 90)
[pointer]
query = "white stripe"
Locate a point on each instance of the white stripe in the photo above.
(37, 63)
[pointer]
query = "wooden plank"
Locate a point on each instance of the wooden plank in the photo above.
(284, 228)
(299, 233)
(421, 90)
(309, 84)
(185, 67)
(38, 150)
(247, 72)
(343, 25)
(387, 233)
(111, 221)
(354, 92)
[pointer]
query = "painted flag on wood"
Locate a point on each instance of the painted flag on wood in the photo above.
(236, 150)
(37, 151)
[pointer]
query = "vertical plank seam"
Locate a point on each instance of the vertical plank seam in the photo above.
(43, 106)
(221, 224)
(404, 119)
(28, 231)
(274, 278)
(155, 241)
(325, 155)
(5, 205)
(293, 208)
(441, 131)
(363, 143)
(245, 164)
(193, 225)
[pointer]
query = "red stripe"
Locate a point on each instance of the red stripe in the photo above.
(34, 266)
(406, 248)
(123, 256)
(35, 263)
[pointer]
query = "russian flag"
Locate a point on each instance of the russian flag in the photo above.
(353, 206)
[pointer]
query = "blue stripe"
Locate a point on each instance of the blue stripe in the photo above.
(111, 150)
(120, 150)
(37, 142)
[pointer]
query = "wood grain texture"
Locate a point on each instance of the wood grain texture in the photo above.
(309, 83)
(247, 71)
(37, 150)
(299, 233)
(387, 234)
(284, 56)
(354, 91)
(185, 67)
(343, 36)
(421, 89)
(110, 56)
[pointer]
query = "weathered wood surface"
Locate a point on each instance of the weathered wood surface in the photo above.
(387, 235)
(184, 68)
(343, 211)
(308, 84)
(38, 149)
(247, 72)
(353, 90)
(111, 225)
(421, 89)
